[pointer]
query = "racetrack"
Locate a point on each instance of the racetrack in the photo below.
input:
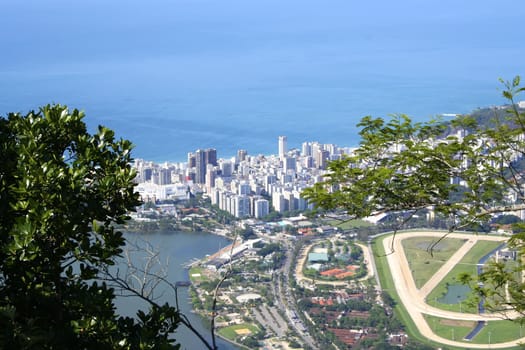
(413, 298)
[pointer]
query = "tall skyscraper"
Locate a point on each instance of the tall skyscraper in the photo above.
(321, 158)
(289, 163)
(200, 166)
(201, 159)
(262, 208)
(191, 160)
(241, 155)
(241, 206)
(243, 188)
(211, 156)
(282, 147)
(164, 176)
(210, 177)
(306, 149)
(145, 174)
(226, 168)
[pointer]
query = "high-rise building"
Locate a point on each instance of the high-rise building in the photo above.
(315, 148)
(280, 204)
(241, 206)
(289, 164)
(306, 149)
(244, 188)
(214, 196)
(191, 160)
(211, 156)
(210, 177)
(321, 158)
(262, 208)
(268, 180)
(282, 147)
(291, 200)
(164, 176)
(200, 166)
(308, 162)
(241, 155)
(202, 159)
(226, 168)
(145, 174)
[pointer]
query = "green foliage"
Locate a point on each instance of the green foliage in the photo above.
(294, 344)
(268, 249)
(62, 190)
(461, 170)
(248, 233)
(507, 220)
(387, 299)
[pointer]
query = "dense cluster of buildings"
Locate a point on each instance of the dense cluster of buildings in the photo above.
(252, 186)
(245, 185)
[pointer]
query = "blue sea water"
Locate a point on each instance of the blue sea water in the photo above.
(174, 76)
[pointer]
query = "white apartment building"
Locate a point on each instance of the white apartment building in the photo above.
(261, 208)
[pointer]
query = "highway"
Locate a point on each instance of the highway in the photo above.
(284, 299)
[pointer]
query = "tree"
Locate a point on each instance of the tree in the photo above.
(461, 171)
(62, 190)
(247, 233)
(387, 299)
(506, 220)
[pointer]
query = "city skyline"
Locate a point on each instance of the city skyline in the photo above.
(244, 185)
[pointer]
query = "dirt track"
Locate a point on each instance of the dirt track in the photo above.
(414, 299)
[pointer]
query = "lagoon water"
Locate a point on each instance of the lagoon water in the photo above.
(174, 76)
(175, 249)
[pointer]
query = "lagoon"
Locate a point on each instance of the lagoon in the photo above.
(178, 248)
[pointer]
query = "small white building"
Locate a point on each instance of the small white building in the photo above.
(244, 298)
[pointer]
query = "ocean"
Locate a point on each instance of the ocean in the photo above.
(175, 76)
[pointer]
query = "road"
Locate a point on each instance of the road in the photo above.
(270, 319)
(284, 298)
(414, 299)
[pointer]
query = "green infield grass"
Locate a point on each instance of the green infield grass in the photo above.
(498, 331)
(467, 265)
(425, 259)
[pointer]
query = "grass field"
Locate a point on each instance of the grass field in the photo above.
(350, 224)
(197, 274)
(500, 331)
(238, 330)
(423, 263)
(467, 265)
(450, 329)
